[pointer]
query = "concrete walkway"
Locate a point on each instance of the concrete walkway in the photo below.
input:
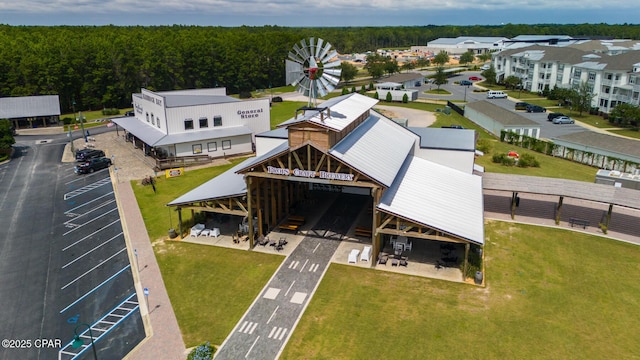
(164, 340)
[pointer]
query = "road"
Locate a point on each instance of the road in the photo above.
(548, 130)
(57, 267)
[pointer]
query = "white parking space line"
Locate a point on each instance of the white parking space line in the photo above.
(293, 264)
(90, 211)
(316, 248)
(92, 250)
(87, 188)
(93, 268)
(314, 267)
(95, 232)
(70, 211)
(76, 227)
(95, 288)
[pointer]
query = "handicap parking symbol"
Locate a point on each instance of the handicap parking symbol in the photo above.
(73, 319)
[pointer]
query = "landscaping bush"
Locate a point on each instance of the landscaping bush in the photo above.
(345, 91)
(503, 159)
(202, 352)
(376, 96)
(363, 89)
(389, 97)
(405, 98)
(245, 94)
(528, 160)
(67, 121)
(484, 145)
(353, 89)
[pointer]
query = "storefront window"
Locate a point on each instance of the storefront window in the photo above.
(226, 144)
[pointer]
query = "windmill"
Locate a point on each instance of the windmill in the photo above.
(313, 68)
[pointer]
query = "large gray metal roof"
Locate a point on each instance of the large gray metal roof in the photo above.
(590, 140)
(500, 114)
(225, 185)
(29, 106)
(145, 132)
(345, 109)
(562, 187)
(377, 148)
(446, 138)
(439, 197)
(215, 133)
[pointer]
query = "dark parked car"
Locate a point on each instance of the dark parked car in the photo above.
(453, 127)
(521, 106)
(554, 115)
(276, 99)
(535, 108)
(465, 82)
(129, 113)
(92, 165)
(86, 154)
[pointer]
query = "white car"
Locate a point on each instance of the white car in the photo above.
(485, 67)
(563, 120)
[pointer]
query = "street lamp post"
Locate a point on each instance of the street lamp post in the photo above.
(465, 93)
(77, 342)
(84, 134)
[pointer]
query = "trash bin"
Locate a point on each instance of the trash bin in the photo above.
(478, 278)
(173, 234)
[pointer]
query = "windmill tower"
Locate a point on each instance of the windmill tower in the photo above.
(313, 68)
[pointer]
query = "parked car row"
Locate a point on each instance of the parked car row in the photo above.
(563, 120)
(90, 160)
(535, 108)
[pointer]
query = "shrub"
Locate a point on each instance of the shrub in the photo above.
(405, 98)
(363, 89)
(484, 145)
(353, 89)
(67, 121)
(528, 160)
(389, 97)
(376, 96)
(202, 352)
(245, 94)
(345, 91)
(371, 87)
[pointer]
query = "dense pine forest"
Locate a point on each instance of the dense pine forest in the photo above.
(100, 66)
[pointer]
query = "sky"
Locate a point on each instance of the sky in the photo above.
(330, 13)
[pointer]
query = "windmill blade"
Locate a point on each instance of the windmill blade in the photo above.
(332, 79)
(319, 47)
(335, 72)
(304, 49)
(324, 87)
(329, 56)
(332, 64)
(295, 57)
(324, 52)
(298, 80)
(299, 53)
(312, 46)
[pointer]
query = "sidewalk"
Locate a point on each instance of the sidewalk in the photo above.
(164, 340)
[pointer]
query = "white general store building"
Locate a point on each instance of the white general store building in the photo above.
(195, 122)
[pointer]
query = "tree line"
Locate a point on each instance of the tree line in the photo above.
(101, 66)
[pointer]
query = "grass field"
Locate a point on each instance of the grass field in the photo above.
(551, 294)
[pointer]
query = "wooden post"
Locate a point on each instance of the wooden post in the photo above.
(514, 196)
(375, 237)
(180, 222)
(259, 206)
(250, 210)
(466, 261)
(608, 218)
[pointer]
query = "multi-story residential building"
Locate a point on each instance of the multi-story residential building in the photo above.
(613, 79)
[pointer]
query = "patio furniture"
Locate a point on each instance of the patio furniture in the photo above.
(215, 232)
(205, 232)
(408, 246)
(394, 262)
(366, 253)
(196, 229)
(353, 256)
(383, 260)
(404, 261)
(399, 246)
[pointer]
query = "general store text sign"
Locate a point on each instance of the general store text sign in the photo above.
(310, 174)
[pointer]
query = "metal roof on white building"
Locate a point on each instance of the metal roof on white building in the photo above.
(203, 135)
(144, 131)
(224, 185)
(377, 148)
(342, 114)
(29, 106)
(439, 197)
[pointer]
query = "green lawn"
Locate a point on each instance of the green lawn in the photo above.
(211, 287)
(627, 132)
(551, 294)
